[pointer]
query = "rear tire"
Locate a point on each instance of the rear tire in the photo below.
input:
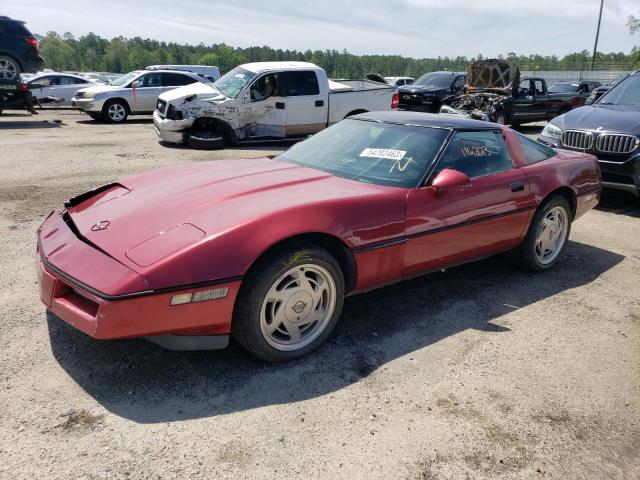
(115, 111)
(9, 69)
(289, 303)
(546, 238)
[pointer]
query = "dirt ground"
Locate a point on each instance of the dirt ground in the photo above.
(482, 371)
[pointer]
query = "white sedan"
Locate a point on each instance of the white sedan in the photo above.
(57, 88)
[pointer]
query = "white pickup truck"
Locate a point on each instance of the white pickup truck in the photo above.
(264, 100)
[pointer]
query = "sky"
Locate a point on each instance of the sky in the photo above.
(413, 28)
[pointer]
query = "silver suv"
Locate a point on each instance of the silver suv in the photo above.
(135, 93)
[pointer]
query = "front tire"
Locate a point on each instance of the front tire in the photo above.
(115, 111)
(9, 69)
(546, 238)
(289, 303)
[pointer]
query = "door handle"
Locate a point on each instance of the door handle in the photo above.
(280, 105)
(517, 187)
(319, 103)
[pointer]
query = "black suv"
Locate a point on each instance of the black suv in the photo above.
(609, 129)
(18, 50)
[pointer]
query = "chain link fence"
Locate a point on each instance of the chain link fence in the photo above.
(601, 73)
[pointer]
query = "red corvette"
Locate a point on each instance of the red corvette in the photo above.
(266, 249)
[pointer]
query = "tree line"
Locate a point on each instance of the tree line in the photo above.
(93, 53)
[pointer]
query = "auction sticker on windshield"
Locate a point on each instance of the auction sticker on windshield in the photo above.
(383, 153)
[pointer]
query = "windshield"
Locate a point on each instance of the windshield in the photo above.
(231, 83)
(563, 87)
(627, 92)
(371, 152)
(124, 79)
(435, 80)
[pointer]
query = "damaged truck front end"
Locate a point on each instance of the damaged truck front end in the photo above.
(489, 92)
(180, 112)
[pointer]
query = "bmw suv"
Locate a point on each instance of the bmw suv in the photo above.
(19, 50)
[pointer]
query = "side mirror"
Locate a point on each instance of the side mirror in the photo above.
(447, 179)
(136, 84)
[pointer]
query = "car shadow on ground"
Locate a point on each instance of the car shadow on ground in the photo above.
(142, 382)
(29, 124)
(620, 203)
(129, 121)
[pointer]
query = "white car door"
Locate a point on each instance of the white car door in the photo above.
(263, 110)
(65, 88)
(306, 106)
(41, 86)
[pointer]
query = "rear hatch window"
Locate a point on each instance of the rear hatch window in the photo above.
(15, 28)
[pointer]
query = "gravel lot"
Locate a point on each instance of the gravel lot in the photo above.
(482, 371)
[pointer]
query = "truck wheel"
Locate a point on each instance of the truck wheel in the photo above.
(115, 111)
(206, 140)
(546, 238)
(9, 69)
(289, 303)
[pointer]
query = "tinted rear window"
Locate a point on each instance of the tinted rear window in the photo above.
(534, 152)
(302, 83)
(15, 28)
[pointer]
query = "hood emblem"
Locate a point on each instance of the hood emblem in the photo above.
(103, 225)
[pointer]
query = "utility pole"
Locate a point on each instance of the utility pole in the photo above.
(595, 46)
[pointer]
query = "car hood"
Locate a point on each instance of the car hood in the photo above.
(496, 76)
(142, 219)
(199, 91)
(421, 89)
(601, 117)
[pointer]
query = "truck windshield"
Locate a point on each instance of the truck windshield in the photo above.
(435, 80)
(627, 92)
(124, 79)
(232, 83)
(563, 87)
(371, 152)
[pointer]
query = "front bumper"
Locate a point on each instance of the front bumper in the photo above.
(171, 131)
(148, 314)
(624, 175)
(87, 104)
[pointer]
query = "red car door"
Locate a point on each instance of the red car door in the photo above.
(484, 217)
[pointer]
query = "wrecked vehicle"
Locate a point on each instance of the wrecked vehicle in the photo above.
(496, 93)
(426, 93)
(265, 101)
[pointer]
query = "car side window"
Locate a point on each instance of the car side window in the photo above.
(534, 152)
(539, 88)
(176, 80)
(265, 87)
(399, 83)
(459, 83)
(476, 154)
(151, 80)
(71, 81)
(524, 88)
(302, 83)
(410, 82)
(42, 82)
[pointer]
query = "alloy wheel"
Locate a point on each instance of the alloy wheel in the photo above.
(298, 306)
(551, 235)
